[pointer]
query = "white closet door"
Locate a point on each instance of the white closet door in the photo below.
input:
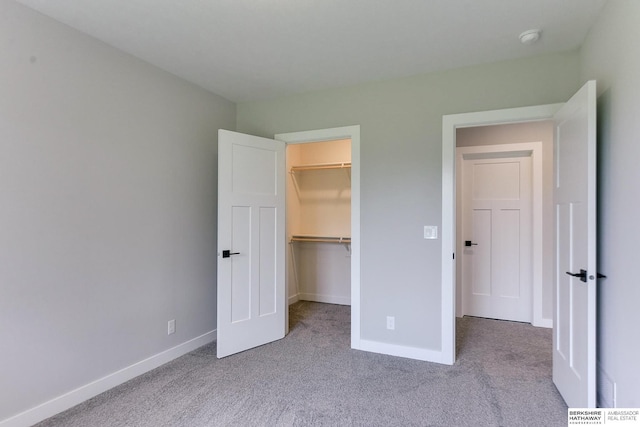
(251, 242)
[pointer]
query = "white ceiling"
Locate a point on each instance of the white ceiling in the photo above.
(254, 49)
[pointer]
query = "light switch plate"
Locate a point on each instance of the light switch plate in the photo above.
(430, 231)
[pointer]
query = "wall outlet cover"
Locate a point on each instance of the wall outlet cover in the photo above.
(391, 323)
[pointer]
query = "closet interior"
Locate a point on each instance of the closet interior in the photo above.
(319, 221)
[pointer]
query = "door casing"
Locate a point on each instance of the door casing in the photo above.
(449, 125)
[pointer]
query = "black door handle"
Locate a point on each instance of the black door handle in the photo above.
(227, 253)
(582, 275)
(469, 243)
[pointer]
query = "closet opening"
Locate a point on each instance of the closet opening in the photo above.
(319, 222)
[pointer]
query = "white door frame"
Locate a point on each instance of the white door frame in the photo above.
(353, 133)
(449, 125)
(521, 149)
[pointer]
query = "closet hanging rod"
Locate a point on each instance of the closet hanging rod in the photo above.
(321, 239)
(318, 166)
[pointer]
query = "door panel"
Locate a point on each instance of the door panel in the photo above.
(574, 338)
(254, 170)
(268, 261)
(563, 252)
(481, 269)
(496, 181)
(251, 226)
(241, 264)
(507, 253)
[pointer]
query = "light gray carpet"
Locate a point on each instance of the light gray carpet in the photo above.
(312, 378)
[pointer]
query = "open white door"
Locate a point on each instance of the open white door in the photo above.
(251, 242)
(574, 333)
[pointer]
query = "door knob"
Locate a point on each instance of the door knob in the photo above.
(469, 243)
(227, 253)
(582, 275)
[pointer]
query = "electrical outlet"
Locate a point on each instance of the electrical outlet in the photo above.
(171, 327)
(391, 322)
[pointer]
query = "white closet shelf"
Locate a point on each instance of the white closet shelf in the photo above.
(320, 166)
(321, 239)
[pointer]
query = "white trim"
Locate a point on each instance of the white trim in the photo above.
(449, 125)
(353, 133)
(329, 299)
(402, 351)
(544, 323)
(533, 149)
(94, 388)
(294, 299)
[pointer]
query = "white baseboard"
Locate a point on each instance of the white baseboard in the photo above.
(543, 323)
(87, 391)
(293, 299)
(537, 322)
(606, 390)
(330, 299)
(402, 351)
